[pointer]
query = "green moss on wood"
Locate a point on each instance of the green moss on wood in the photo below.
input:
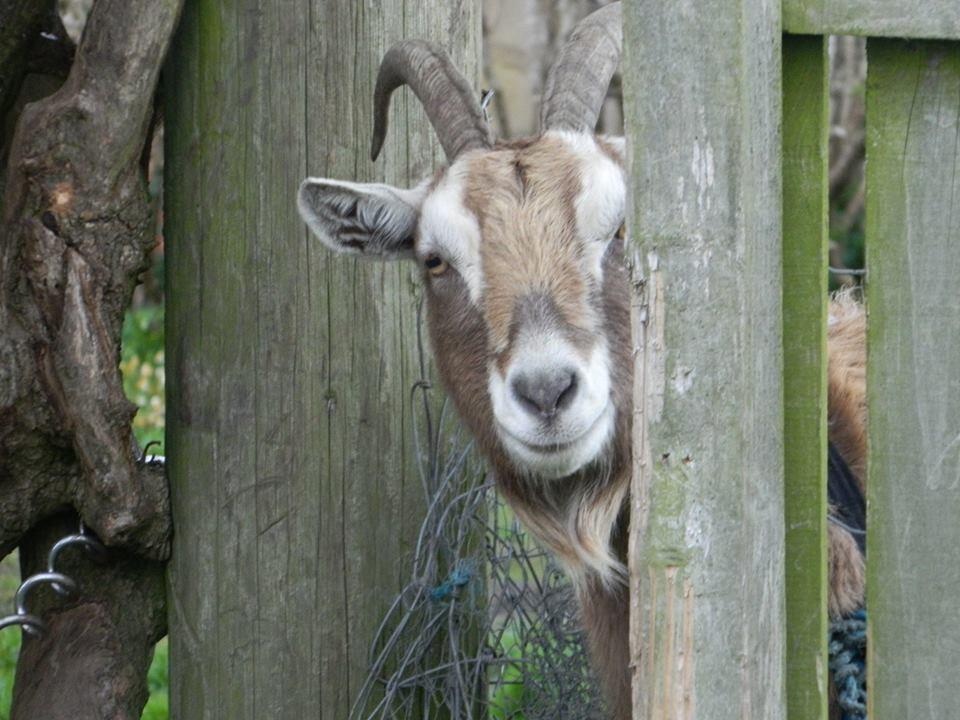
(805, 247)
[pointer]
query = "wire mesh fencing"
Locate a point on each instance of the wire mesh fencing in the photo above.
(487, 625)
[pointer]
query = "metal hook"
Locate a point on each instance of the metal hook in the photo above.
(30, 623)
(93, 547)
(145, 457)
(61, 584)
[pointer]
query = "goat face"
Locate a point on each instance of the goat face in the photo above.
(526, 292)
(521, 259)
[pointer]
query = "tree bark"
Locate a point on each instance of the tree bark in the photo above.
(74, 232)
(92, 662)
(35, 57)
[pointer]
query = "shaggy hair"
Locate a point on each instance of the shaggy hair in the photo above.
(847, 414)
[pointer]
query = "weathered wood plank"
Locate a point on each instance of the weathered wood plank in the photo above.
(702, 110)
(884, 18)
(295, 494)
(913, 381)
(806, 125)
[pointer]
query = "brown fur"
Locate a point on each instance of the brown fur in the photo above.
(522, 195)
(523, 200)
(847, 374)
(606, 618)
(847, 414)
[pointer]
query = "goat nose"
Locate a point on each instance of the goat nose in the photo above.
(545, 392)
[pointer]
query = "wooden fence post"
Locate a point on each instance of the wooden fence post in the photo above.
(806, 121)
(913, 377)
(702, 109)
(294, 490)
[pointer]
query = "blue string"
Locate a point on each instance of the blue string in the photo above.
(848, 663)
(458, 577)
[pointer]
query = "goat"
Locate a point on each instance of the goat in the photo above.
(521, 249)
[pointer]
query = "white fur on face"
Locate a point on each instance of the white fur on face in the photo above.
(449, 230)
(579, 434)
(602, 200)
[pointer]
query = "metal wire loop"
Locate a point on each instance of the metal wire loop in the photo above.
(30, 623)
(44, 578)
(94, 548)
(61, 584)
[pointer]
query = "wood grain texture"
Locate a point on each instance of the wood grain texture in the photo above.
(294, 489)
(703, 109)
(913, 381)
(806, 126)
(890, 18)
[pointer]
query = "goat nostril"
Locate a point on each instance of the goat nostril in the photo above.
(566, 395)
(545, 392)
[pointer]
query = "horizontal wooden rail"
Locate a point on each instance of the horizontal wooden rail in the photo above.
(934, 19)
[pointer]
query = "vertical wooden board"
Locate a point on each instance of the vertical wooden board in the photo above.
(296, 498)
(702, 110)
(890, 18)
(806, 126)
(913, 237)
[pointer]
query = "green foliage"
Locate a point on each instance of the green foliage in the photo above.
(142, 365)
(512, 687)
(10, 637)
(158, 705)
(506, 687)
(847, 234)
(9, 650)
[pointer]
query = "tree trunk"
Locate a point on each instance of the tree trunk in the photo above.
(74, 233)
(294, 489)
(92, 662)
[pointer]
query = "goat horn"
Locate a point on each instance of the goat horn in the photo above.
(445, 94)
(578, 81)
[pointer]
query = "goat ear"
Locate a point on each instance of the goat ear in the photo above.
(362, 218)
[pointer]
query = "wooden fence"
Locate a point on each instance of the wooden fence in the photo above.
(295, 490)
(286, 552)
(726, 110)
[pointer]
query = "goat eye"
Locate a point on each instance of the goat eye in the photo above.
(435, 264)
